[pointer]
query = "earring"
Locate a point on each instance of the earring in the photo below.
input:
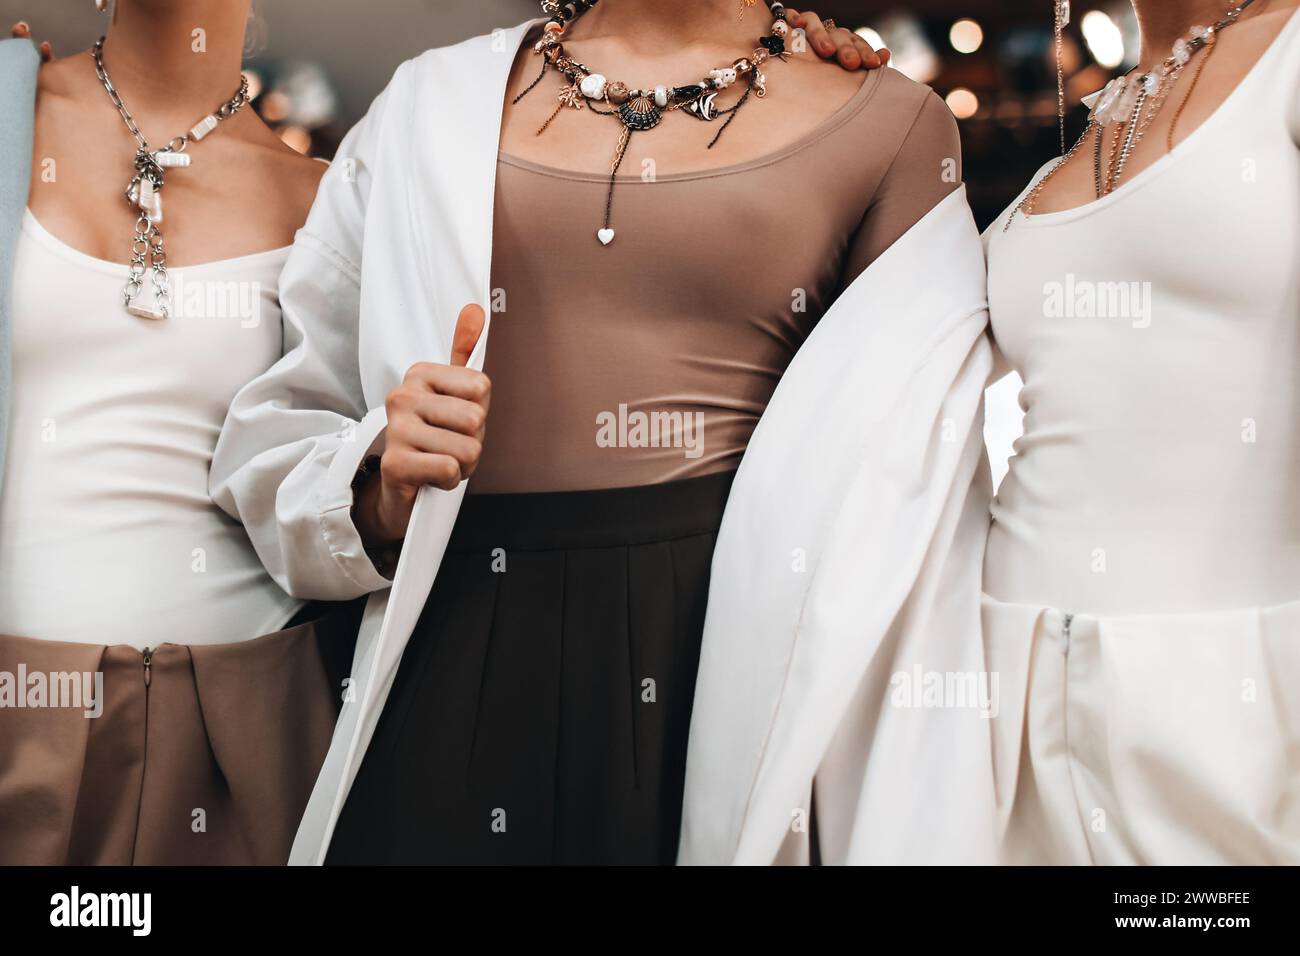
(1062, 21)
(101, 6)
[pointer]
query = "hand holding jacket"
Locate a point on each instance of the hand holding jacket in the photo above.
(437, 419)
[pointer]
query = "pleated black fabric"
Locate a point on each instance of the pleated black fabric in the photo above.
(541, 711)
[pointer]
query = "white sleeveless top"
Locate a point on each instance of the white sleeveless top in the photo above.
(107, 533)
(1157, 331)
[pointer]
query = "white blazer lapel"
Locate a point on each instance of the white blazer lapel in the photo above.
(451, 162)
(454, 189)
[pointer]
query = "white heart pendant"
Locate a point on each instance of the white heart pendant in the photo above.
(606, 236)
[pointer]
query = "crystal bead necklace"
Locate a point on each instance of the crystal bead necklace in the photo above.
(1130, 104)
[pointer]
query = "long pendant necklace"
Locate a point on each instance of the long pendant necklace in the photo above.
(144, 192)
(636, 109)
(1130, 103)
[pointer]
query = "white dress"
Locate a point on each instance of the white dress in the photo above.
(107, 532)
(1142, 578)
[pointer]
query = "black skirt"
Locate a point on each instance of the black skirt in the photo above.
(541, 710)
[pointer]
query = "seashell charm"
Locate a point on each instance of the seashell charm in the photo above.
(640, 113)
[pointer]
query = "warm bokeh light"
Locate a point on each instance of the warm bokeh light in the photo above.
(1104, 39)
(275, 106)
(913, 54)
(296, 138)
(963, 103)
(966, 36)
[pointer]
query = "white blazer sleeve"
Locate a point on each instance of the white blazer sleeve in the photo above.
(295, 436)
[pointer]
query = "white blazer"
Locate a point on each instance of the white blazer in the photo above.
(399, 239)
(846, 582)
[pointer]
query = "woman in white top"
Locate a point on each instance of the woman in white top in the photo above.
(189, 727)
(1142, 578)
(151, 708)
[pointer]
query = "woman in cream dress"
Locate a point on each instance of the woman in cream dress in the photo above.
(1142, 579)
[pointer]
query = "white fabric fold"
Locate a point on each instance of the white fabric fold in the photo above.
(850, 553)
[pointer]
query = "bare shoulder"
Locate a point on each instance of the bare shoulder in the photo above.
(57, 82)
(287, 180)
(296, 175)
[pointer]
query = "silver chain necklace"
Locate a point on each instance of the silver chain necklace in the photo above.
(145, 189)
(1131, 103)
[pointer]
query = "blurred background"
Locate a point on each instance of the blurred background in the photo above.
(317, 64)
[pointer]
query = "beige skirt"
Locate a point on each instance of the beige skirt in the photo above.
(1154, 739)
(205, 756)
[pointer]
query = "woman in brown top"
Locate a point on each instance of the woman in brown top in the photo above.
(541, 710)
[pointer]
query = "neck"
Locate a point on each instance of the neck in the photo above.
(1164, 21)
(662, 24)
(175, 58)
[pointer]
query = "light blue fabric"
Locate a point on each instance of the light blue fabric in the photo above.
(19, 62)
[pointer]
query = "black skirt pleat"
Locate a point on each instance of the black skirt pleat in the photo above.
(540, 714)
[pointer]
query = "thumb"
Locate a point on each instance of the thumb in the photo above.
(468, 329)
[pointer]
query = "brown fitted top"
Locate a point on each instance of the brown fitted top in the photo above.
(651, 359)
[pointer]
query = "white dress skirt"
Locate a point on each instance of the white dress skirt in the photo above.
(1142, 577)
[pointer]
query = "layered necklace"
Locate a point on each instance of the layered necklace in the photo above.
(642, 109)
(144, 192)
(1130, 103)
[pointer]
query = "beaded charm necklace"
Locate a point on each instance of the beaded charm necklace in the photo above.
(1130, 104)
(636, 109)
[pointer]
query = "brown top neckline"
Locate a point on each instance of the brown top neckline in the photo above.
(856, 103)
